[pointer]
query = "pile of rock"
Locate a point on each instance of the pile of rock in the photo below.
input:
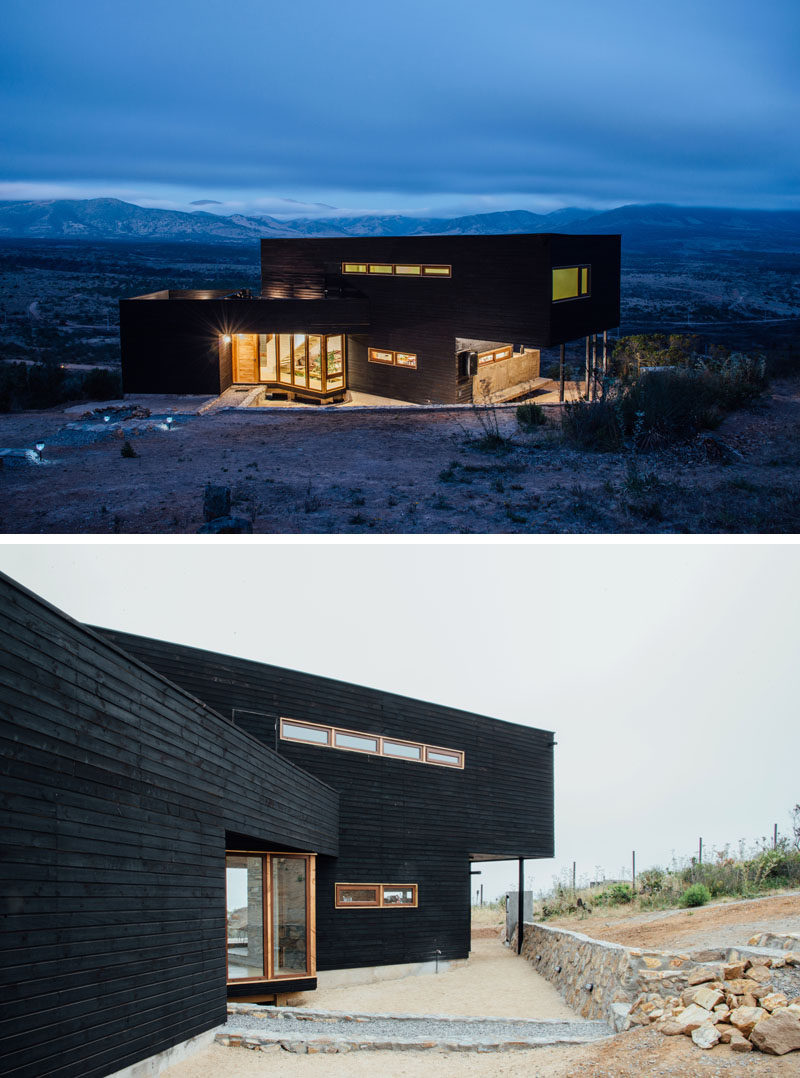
(733, 1004)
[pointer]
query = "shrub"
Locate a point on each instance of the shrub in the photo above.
(531, 415)
(592, 424)
(128, 450)
(696, 895)
(619, 893)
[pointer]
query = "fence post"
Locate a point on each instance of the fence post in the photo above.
(633, 871)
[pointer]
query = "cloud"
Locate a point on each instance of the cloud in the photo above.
(205, 202)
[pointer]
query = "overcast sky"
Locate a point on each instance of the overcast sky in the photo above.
(669, 673)
(424, 106)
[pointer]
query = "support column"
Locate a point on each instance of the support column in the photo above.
(561, 374)
(588, 371)
(521, 903)
(594, 366)
(605, 352)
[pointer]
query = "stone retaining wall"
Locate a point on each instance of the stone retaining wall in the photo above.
(603, 980)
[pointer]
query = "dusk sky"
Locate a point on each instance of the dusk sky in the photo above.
(430, 106)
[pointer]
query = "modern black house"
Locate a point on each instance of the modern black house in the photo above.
(426, 319)
(182, 827)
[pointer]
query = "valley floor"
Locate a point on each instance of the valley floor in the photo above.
(395, 472)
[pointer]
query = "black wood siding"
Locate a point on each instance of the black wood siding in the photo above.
(118, 791)
(401, 822)
(172, 345)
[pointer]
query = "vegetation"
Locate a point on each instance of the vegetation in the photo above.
(767, 867)
(662, 392)
(696, 895)
(530, 415)
(42, 385)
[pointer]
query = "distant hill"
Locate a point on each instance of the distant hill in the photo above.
(643, 228)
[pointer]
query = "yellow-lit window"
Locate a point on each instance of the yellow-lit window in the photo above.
(405, 359)
(570, 282)
(377, 356)
(380, 267)
(408, 271)
(436, 271)
(354, 267)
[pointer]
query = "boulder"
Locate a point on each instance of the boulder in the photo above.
(726, 1032)
(734, 971)
(748, 1000)
(671, 1028)
(778, 1034)
(762, 974)
(216, 502)
(773, 1000)
(792, 958)
(722, 1013)
(708, 998)
(739, 1043)
(705, 1036)
(701, 976)
(740, 985)
(692, 1017)
(745, 1018)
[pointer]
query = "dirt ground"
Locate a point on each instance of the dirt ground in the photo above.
(395, 472)
(502, 977)
(719, 925)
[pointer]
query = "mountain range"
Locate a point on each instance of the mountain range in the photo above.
(643, 227)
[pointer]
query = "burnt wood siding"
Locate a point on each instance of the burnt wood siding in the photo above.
(401, 822)
(118, 791)
(172, 345)
(500, 289)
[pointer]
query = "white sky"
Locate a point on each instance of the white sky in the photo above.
(668, 672)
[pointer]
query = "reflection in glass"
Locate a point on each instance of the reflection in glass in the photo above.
(285, 352)
(398, 896)
(443, 758)
(334, 362)
(315, 362)
(352, 741)
(289, 915)
(300, 378)
(397, 748)
(304, 733)
(356, 896)
(405, 359)
(245, 916)
(268, 357)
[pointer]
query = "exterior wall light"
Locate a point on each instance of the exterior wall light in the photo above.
(226, 339)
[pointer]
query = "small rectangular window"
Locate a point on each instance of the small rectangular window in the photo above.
(399, 895)
(380, 267)
(354, 267)
(405, 359)
(358, 894)
(343, 740)
(366, 895)
(400, 748)
(294, 731)
(436, 271)
(442, 756)
(377, 356)
(408, 271)
(584, 280)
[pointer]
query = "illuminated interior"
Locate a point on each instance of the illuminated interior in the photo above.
(306, 361)
(571, 282)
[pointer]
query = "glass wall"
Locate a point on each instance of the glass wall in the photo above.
(245, 915)
(289, 929)
(270, 906)
(308, 361)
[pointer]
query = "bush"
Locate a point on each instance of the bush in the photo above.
(618, 894)
(696, 895)
(592, 424)
(128, 451)
(531, 415)
(43, 385)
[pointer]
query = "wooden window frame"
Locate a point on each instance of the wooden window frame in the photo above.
(380, 902)
(492, 356)
(331, 730)
(429, 271)
(580, 266)
(269, 976)
(393, 361)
